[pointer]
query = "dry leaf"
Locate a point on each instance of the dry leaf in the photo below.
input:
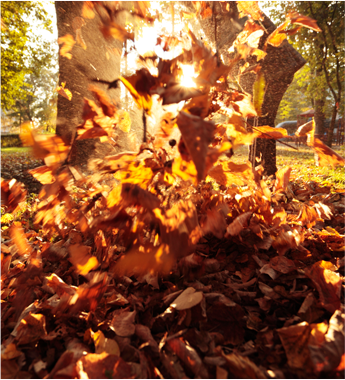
(82, 260)
(68, 43)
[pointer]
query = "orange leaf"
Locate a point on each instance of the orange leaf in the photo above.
(239, 224)
(87, 11)
(327, 156)
(228, 173)
(267, 132)
(151, 260)
(68, 43)
(306, 21)
(43, 174)
(197, 135)
(82, 260)
(64, 91)
(250, 8)
(19, 239)
(12, 194)
(282, 178)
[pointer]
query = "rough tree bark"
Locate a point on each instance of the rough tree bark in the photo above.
(100, 60)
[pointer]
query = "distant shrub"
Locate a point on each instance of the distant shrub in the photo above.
(12, 140)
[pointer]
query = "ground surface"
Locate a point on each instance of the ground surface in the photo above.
(237, 305)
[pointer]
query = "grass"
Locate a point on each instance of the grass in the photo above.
(303, 164)
(14, 149)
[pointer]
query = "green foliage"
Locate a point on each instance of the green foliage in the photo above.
(22, 53)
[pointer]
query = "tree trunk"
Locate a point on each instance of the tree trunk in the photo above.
(331, 127)
(100, 60)
(278, 67)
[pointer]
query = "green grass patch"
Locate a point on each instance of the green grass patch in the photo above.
(16, 150)
(303, 164)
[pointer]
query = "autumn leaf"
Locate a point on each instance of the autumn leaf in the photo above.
(187, 299)
(229, 173)
(259, 92)
(306, 21)
(139, 85)
(20, 241)
(64, 91)
(82, 260)
(113, 30)
(68, 43)
(327, 283)
(250, 8)
(43, 174)
(327, 156)
(103, 344)
(87, 11)
(197, 135)
(12, 194)
(276, 37)
(147, 260)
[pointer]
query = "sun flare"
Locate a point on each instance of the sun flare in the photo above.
(188, 75)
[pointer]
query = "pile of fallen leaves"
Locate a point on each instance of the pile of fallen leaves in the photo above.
(185, 264)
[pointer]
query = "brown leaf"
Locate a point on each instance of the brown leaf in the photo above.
(31, 329)
(282, 264)
(327, 283)
(295, 341)
(104, 366)
(12, 194)
(239, 224)
(187, 299)
(68, 43)
(82, 260)
(197, 135)
(241, 367)
(123, 323)
(103, 344)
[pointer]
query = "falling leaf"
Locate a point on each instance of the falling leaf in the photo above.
(68, 43)
(282, 178)
(304, 129)
(197, 135)
(12, 194)
(19, 239)
(306, 21)
(82, 260)
(259, 92)
(87, 11)
(114, 30)
(250, 8)
(239, 224)
(276, 37)
(43, 174)
(64, 91)
(327, 156)
(228, 173)
(125, 121)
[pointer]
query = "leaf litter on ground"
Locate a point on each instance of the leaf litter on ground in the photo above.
(159, 273)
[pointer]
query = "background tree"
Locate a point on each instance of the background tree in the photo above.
(323, 51)
(39, 104)
(22, 53)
